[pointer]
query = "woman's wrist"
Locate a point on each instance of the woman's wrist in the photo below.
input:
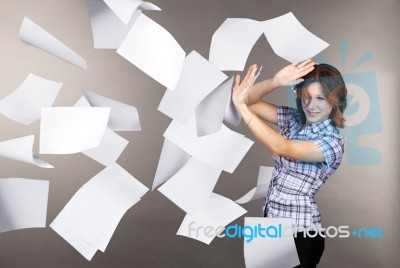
(242, 108)
(275, 83)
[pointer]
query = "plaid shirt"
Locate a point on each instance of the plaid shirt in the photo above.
(294, 183)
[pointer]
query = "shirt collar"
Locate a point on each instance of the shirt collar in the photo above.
(321, 125)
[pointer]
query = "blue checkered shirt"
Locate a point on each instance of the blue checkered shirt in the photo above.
(294, 183)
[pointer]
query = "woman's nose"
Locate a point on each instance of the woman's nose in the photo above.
(311, 103)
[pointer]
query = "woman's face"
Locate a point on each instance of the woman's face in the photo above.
(315, 104)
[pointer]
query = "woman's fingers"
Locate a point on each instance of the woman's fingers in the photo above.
(248, 80)
(305, 64)
(250, 74)
(237, 81)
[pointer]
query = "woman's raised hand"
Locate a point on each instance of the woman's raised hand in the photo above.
(243, 87)
(291, 74)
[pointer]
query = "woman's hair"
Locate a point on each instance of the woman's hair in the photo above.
(334, 90)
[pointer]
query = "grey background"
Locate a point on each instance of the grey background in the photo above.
(358, 196)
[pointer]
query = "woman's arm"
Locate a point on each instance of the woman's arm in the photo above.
(290, 75)
(272, 140)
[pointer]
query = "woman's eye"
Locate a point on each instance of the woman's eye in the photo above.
(321, 98)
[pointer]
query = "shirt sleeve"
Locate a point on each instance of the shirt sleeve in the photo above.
(332, 148)
(288, 118)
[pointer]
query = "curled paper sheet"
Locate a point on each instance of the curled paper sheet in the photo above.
(107, 29)
(287, 37)
(24, 105)
(232, 116)
(90, 218)
(199, 77)
(68, 130)
(20, 149)
(224, 149)
(216, 213)
(23, 203)
(123, 117)
(34, 35)
(192, 185)
(212, 109)
(284, 31)
(264, 177)
(172, 159)
(125, 8)
(229, 50)
(271, 246)
(148, 43)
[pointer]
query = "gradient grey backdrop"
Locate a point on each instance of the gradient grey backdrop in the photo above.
(358, 196)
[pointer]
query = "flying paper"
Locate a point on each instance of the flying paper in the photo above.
(306, 45)
(25, 103)
(216, 213)
(172, 159)
(125, 8)
(90, 218)
(212, 109)
(107, 29)
(20, 149)
(230, 50)
(287, 37)
(68, 130)
(34, 35)
(154, 50)
(276, 248)
(123, 117)
(111, 145)
(110, 148)
(264, 177)
(23, 203)
(224, 149)
(192, 185)
(199, 77)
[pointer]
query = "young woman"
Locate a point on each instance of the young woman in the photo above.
(308, 148)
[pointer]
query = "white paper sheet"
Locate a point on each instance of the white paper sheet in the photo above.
(291, 40)
(23, 203)
(153, 50)
(232, 116)
(123, 117)
(172, 159)
(264, 178)
(192, 185)
(68, 130)
(287, 37)
(230, 50)
(20, 149)
(125, 8)
(107, 29)
(90, 218)
(25, 103)
(217, 212)
(111, 147)
(34, 35)
(267, 251)
(223, 149)
(211, 110)
(199, 77)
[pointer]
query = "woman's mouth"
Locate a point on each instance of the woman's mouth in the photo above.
(312, 114)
